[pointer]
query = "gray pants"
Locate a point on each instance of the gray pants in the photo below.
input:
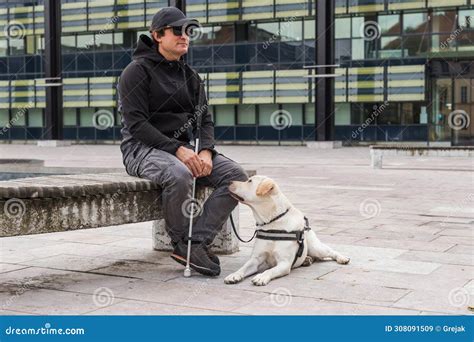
(176, 180)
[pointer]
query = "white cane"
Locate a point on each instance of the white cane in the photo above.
(187, 270)
(201, 104)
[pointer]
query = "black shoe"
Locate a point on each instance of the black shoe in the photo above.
(212, 256)
(200, 260)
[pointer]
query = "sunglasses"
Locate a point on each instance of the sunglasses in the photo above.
(178, 30)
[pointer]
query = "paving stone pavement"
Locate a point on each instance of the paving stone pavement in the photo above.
(408, 229)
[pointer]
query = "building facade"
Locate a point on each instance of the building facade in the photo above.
(403, 70)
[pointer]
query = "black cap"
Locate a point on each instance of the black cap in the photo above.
(171, 16)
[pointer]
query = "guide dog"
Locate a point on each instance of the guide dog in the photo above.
(283, 238)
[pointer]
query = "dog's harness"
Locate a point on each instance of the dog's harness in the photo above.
(280, 235)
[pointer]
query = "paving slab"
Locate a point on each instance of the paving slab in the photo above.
(408, 229)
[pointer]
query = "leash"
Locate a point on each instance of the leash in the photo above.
(237, 234)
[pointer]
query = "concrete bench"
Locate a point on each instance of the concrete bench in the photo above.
(69, 202)
(378, 152)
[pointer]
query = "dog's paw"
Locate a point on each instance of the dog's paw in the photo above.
(308, 261)
(343, 260)
(261, 279)
(233, 278)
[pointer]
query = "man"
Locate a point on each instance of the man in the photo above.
(158, 94)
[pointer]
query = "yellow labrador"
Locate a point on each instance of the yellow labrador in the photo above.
(275, 251)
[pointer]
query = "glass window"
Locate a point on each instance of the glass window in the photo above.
(17, 46)
(69, 117)
(389, 115)
(246, 114)
(466, 37)
(30, 45)
(343, 114)
(18, 116)
(265, 114)
(309, 114)
(223, 34)
(85, 41)
(391, 47)
(39, 45)
(118, 38)
(3, 47)
(466, 19)
(4, 118)
(343, 28)
(35, 117)
(223, 54)
(202, 55)
(358, 27)
(68, 43)
(291, 30)
(442, 43)
(252, 33)
(363, 113)
(124, 40)
(296, 113)
(118, 118)
(415, 45)
(310, 29)
(103, 41)
(411, 113)
(268, 31)
(415, 23)
(86, 117)
(465, 40)
(371, 47)
(205, 36)
(224, 115)
(389, 24)
(357, 49)
(444, 21)
(343, 50)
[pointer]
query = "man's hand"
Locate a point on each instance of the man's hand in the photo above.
(206, 158)
(191, 160)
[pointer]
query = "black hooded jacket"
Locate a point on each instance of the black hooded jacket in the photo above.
(157, 101)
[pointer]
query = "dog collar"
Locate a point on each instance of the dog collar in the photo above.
(273, 219)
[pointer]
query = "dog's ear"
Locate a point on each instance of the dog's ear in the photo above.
(265, 187)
